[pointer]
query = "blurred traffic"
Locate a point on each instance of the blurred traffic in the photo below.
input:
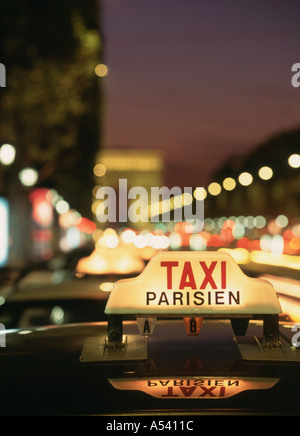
(262, 248)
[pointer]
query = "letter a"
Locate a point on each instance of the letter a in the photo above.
(146, 328)
(187, 273)
(108, 204)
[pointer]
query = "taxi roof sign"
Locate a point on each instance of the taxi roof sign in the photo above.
(193, 284)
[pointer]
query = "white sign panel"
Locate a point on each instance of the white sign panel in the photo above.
(195, 284)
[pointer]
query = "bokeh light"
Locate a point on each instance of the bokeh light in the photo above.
(229, 184)
(294, 160)
(265, 173)
(214, 188)
(28, 176)
(101, 70)
(7, 154)
(245, 179)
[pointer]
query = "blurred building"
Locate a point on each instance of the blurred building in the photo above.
(121, 170)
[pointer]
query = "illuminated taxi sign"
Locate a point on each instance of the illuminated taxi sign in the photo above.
(193, 284)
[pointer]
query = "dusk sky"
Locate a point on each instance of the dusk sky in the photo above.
(199, 79)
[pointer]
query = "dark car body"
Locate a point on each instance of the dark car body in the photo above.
(54, 298)
(43, 373)
(112, 367)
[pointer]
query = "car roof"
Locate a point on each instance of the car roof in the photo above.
(42, 286)
(42, 373)
(71, 289)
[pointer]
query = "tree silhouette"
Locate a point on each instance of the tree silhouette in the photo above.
(50, 109)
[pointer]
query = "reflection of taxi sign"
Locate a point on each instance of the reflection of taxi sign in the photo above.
(193, 284)
(194, 387)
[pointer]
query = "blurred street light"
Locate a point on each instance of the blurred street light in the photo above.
(99, 170)
(214, 188)
(265, 173)
(101, 70)
(62, 207)
(245, 179)
(7, 154)
(229, 184)
(294, 160)
(200, 193)
(28, 176)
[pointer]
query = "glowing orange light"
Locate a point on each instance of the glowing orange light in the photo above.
(101, 70)
(243, 243)
(105, 260)
(295, 243)
(86, 226)
(42, 209)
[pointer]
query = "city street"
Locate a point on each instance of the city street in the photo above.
(149, 210)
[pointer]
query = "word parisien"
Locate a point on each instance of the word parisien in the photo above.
(163, 200)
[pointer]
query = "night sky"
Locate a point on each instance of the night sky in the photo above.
(199, 79)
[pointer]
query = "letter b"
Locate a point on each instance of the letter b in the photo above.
(193, 326)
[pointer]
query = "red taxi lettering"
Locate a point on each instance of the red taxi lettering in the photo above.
(208, 275)
(207, 391)
(194, 388)
(223, 275)
(222, 391)
(188, 278)
(170, 393)
(169, 266)
(187, 392)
